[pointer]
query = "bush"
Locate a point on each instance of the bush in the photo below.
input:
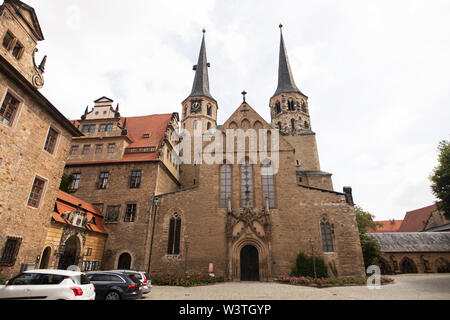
(191, 279)
(304, 267)
(327, 282)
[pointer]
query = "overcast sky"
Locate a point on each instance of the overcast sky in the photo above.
(377, 74)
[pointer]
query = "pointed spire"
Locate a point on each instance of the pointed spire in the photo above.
(201, 80)
(42, 65)
(286, 81)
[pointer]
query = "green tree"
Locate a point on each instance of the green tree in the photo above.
(304, 266)
(440, 179)
(370, 247)
(66, 180)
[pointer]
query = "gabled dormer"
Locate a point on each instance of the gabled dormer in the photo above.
(19, 34)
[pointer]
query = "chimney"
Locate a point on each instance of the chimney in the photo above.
(348, 196)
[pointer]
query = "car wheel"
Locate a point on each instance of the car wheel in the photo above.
(112, 295)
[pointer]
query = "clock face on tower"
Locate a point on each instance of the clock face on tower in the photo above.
(196, 106)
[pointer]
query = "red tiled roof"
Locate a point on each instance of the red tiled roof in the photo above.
(155, 125)
(387, 226)
(415, 220)
(68, 203)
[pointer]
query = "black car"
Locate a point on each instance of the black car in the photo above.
(115, 285)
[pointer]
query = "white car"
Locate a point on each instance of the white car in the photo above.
(48, 285)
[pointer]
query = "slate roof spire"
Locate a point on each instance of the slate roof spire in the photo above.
(286, 81)
(201, 80)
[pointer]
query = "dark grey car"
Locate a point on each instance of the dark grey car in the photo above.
(115, 286)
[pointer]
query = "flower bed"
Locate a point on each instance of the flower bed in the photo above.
(327, 282)
(191, 279)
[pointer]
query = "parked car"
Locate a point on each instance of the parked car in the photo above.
(143, 278)
(111, 285)
(48, 285)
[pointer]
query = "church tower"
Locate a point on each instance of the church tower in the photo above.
(200, 108)
(289, 111)
(288, 105)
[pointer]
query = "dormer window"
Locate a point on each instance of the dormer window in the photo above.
(106, 127)
(8, 40)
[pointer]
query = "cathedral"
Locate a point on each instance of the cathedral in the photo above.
(244, 224)
(229, 217)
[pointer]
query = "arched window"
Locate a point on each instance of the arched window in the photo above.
(279, 125)
(174, 235)
(209, 110)
(225, 185)
(268, 186)
(208, 126)
(306, 125)
(291, 105)
(246, 184)
(293, 124)
(304, 107)
(327, 236)
(277, 107)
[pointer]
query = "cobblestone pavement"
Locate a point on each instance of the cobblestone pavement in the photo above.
(414, 287)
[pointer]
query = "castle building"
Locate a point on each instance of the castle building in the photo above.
(118, 165)
(34, 144)
(236, 217)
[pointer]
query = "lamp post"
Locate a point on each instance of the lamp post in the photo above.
(153, 220)
(186, 242)
(311, 241)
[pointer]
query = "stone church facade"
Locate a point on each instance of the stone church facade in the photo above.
(244, 225)
(227, 217)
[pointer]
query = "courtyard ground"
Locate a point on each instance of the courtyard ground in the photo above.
(411, 287)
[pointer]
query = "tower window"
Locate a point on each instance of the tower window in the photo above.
(209, 110)
(277, 107)
(279, 125)
(306, 125)
(291, 105)
(195, 124)
(304, 107)
(208, 126)
(293, 124)
(174, 235)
